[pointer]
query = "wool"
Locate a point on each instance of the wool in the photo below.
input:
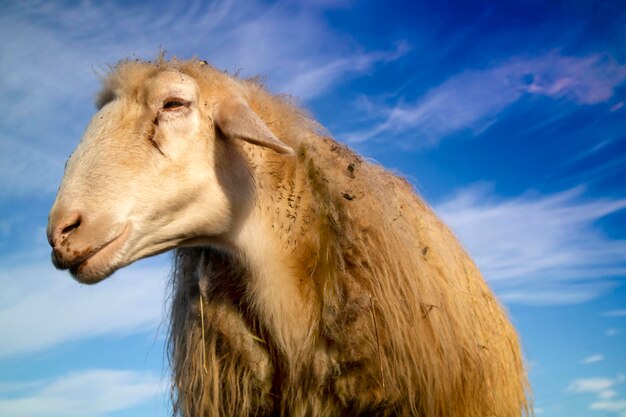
(368, 304)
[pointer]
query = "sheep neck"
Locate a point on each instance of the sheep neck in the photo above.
(270, 240)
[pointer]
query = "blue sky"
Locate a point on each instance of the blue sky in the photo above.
(508, 117)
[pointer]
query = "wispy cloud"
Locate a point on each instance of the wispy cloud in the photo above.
(474, 99)
(615, 313)
(41, 308)
(539, 249)
(618, 406)
(320, 78)
(604, 391)
(592, 359)
(602, 387)
(93, 393)
(612, 332)
(26, 170)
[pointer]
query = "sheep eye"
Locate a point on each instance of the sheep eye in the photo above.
(174, 103)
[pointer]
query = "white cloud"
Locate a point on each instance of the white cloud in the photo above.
(538, 249)
(615, 313)
(593, 385)
(472, 100)
(41, 307)
(592, 359)
(613, 406)
(319, 79)
(604, 391)
(586, 79)
(25, 169)
(296, 50)
(91, 393)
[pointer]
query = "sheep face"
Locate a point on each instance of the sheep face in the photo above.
(153, 172)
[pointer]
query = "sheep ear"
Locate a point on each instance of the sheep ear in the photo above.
(237, 120)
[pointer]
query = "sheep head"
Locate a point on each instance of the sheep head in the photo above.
(158, 167)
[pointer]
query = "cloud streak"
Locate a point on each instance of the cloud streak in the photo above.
(472, 100)
(592, 359)
(539, 249)
(319, 79)
(602, 387)
(615, 313)
(604, 391)
(95, 393)
(41, 308)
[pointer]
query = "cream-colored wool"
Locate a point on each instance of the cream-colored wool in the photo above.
(333, 290)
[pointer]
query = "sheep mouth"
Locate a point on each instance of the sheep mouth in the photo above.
(98, 264)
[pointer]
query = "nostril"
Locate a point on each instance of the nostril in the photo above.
(70, 227)
(63, 228)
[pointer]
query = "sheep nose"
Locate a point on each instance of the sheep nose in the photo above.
(59, 230)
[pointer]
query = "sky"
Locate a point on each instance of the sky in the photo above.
(509, 118)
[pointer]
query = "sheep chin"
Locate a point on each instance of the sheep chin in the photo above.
(104, 262)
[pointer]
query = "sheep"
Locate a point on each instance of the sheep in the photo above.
(307, 281)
